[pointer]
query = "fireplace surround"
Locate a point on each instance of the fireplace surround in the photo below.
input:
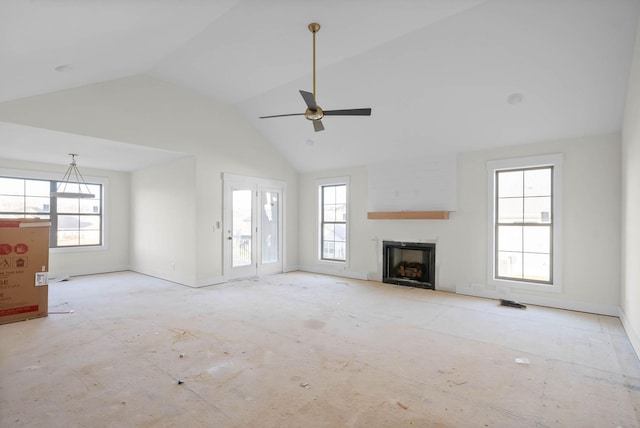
(411, 264)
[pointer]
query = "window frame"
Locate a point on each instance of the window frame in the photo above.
(554, 161)
(321, 184)
(53, 178)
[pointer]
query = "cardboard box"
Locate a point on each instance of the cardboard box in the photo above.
(24, 268)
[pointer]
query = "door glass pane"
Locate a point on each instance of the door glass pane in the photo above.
(241, 228)
(270, 233)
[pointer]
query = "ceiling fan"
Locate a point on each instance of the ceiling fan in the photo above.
(314, 113)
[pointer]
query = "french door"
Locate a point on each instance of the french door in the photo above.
(252, 226)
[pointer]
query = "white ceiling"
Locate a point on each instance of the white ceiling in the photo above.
(437, 73)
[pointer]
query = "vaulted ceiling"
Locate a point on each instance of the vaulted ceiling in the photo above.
(440, 75)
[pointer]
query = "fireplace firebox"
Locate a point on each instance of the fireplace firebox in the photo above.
(410, 264)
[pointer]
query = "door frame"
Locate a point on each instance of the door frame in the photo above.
(258, 185)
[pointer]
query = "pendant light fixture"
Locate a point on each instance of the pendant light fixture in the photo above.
(74, 181)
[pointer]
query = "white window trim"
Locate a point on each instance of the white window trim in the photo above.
(328, 182)
(44, 175)
(554, 160)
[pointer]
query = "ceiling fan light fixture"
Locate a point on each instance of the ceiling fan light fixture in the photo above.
(74, 180)
(316, 114)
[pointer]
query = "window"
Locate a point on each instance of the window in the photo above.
(333, 221)
(524, 217)
(74, 222)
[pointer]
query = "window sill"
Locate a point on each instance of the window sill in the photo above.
(335, 264)
(63, 250)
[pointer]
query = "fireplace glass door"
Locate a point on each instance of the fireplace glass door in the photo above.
(409, 263)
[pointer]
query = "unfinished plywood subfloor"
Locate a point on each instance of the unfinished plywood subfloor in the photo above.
(304, 350)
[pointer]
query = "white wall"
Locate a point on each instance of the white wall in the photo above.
(361, 251)
(163, 203)
(591, 232)
(630, 300)
(114, 256)
(590, 228)
(149, 112)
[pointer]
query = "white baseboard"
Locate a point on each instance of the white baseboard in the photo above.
(160, 275)
(334, 272)
(61, 276)
(477, 290)
(631, 334)
(205, 282)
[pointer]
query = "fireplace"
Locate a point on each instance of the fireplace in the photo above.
(409, 263)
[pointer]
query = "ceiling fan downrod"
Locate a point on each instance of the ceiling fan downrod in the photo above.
(314, 27)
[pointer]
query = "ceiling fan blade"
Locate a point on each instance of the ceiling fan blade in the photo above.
(308, 98)
(281, 115)
(349, 112)
(318, 126)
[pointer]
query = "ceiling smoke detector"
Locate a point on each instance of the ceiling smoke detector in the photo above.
(63, 68)
(515, 98)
